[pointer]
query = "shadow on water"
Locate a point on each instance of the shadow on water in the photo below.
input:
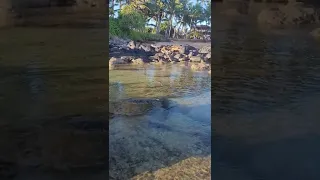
(265, 94)
(154, 142)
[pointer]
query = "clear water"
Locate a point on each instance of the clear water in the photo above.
(162, 137)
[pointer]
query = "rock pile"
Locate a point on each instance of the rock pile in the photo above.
(140, 53)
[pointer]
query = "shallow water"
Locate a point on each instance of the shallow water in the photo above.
(265, 98)
(162, 137)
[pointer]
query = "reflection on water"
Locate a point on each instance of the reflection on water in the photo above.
(162, 137)
(265, 94)
(48, 79)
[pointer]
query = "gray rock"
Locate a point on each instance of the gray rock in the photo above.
(200, 67)
(114, 61)
(138, 61)
(195, 59)
(131, 45)
(205, 49)
(127, 59)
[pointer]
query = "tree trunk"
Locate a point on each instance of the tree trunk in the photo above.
(170, 23)
(159, 19)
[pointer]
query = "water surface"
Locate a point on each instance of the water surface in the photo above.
(48, 78)
(162, 137)
(265, 99)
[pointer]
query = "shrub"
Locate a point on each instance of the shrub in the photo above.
(131, 19)
(114, 28)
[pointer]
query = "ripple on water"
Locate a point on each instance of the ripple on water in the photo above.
(255, 72)
(162, 137)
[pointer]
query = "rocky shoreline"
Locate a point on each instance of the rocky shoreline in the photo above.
(125, 52)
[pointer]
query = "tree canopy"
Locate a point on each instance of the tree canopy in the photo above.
(168, 16)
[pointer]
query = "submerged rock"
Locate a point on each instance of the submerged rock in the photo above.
(200, 66)
(135, 107)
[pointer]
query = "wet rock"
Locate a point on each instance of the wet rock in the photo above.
(291, 14)
(207, 57)
(137, 61)
(200, 66)
(189, 48)
(114, 61)
(195, 59)
(134, 107)
(127, 59)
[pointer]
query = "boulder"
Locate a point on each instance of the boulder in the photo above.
(205, 49)
(114, 61)
(137, 61)
(131, 45)
(200, 66)
(195, 59)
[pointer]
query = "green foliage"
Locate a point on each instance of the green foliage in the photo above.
(114, 28)
(144, 36)
(195, 34)
(164, 26)
(131, 19)
(178, 14)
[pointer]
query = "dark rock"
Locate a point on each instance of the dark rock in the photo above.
(134, 107)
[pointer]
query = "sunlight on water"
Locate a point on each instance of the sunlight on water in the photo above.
(164, 135)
